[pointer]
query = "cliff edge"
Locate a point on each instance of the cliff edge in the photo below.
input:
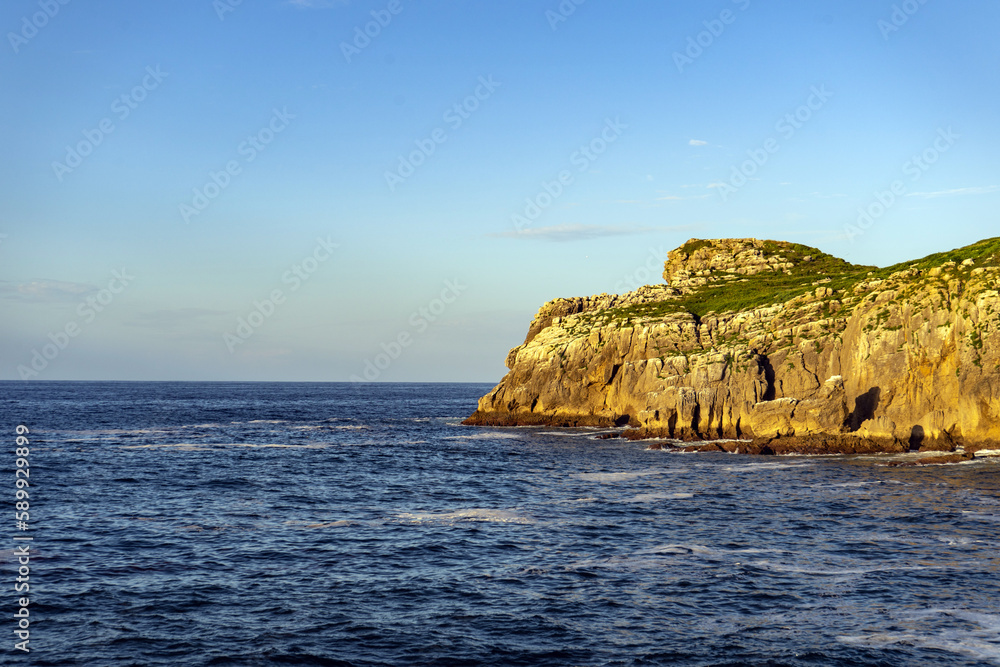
(776, 342)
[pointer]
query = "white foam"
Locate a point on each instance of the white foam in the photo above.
(658, 557)
(484, 515)
(604, 477)
(331, 524)
(683, 549)
(953, 541)
(207, 446)
(982, 643)
(773, 566)
(492, 435)
(181, 446)
(649, 497)
(764, 467)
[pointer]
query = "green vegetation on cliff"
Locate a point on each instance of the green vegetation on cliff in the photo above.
(810, 268)
(766, 339)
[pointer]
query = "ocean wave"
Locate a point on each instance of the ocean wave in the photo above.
(988, 453)
(981, 642)
(649, 497)
(983, 516)
(619, 476)
(765, 467)
(848, 485)
(839, 570)
(492, 435)
(343, 523)
(466, 515)
(208, 446)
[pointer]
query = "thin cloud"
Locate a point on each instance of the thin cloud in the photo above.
(584, 232)
(697, 142)
(676, 198)
(45, 291)
(957, 192)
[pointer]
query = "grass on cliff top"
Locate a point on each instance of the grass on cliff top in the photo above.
(764, 289)
(776, 286)
(985, 253)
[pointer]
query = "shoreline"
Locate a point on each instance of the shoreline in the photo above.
(819, 444)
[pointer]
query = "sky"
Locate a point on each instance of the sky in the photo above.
(312, 190)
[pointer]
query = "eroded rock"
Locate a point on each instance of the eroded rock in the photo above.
(773, 341)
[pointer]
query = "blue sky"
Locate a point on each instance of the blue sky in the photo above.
(666, 121)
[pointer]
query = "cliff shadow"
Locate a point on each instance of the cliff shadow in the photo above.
(865, 406)
(765, 363)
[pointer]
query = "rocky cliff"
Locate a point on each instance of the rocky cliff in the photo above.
(775, 342)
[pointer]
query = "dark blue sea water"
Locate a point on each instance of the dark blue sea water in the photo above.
(337, 524)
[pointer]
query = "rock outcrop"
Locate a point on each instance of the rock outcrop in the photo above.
(778, 342)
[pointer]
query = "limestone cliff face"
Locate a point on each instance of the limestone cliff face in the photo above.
(765, 339)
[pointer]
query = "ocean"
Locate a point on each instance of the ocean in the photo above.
(361, 524)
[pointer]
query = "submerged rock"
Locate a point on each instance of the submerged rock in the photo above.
(774, 341)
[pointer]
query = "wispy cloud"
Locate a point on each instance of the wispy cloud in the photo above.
(584, 232)
(957, 192)
(697, 142)
(45, 291)
(676, 198)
